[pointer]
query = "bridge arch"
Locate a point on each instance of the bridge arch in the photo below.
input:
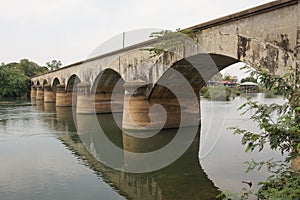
(107, 81)
(55, 82)
(45, 82)
(176, 87)
(66, 94)
(50, 89)
(108, 91)
(196, 69)
(72, 82)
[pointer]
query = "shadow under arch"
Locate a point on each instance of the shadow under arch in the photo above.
(72, 82)
(38, 83)
(40, 91)
(196, 69)
(176, 90)
(45, 82)
(108, 92)
(55, 82)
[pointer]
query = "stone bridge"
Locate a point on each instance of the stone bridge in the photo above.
(162, 90)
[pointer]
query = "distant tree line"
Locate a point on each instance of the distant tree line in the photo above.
(15, 76)
(249, 79)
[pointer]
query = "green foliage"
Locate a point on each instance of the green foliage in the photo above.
(282, 184)
(53, 65)
(168, 40)
(279, 123)
(203, 91)
(30, 68)
(280, 128)
(224, 195)
(15, 77)
(249, 79)
(218, 93)
(269, 94)
(13, 82)
(237, 92)
(226, 78)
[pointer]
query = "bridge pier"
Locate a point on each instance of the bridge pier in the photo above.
(84, 105)
(101, 102)
(49, 94)
(106, 101)
(39, 93)
(140, 113)
(63, 97)
(33, 93)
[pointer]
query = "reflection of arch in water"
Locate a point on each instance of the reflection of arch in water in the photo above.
(182, 179)
(196, 69)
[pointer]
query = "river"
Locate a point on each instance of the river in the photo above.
(44, 156)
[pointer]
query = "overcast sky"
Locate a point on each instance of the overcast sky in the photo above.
(69, 30)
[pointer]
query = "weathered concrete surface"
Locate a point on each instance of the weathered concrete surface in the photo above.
(261, 37)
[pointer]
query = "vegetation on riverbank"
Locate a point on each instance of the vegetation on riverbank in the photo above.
(218, 93)
(280, 129)
(15, 76)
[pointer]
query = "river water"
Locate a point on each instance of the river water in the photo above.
(44, 156)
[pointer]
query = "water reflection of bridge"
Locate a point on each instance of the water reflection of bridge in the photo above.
(183, 179)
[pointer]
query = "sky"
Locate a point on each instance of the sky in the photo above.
(70, 30)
